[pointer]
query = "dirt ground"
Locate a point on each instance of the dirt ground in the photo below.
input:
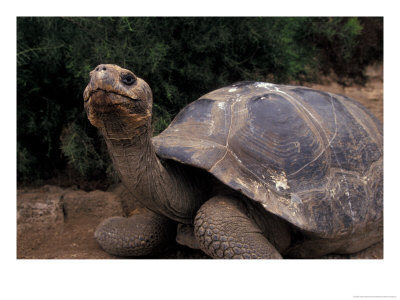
(55, 222)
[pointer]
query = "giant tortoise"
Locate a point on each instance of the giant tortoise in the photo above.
(255, 169)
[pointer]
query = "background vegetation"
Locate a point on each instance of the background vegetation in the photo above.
(181, 59)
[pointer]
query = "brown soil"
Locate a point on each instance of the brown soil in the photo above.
(55, 222)
(59, 223)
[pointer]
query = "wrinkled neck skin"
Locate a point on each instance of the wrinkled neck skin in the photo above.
(161, 187)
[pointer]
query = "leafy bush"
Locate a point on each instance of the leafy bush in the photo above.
(78, 147)
(181, 59)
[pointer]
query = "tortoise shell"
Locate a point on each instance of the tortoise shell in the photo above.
(313, 158)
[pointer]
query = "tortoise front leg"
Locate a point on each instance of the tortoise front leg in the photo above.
(142, 233)
(223, 230)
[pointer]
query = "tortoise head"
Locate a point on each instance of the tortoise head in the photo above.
(117, 101)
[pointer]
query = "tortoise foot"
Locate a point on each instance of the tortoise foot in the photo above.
(143, 233)
(223, 230)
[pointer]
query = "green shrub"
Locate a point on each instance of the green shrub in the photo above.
(25, 163)
(78, 148)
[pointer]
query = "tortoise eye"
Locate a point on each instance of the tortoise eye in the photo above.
(128, 79)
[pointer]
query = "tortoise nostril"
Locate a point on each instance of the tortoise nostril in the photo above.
(101, 68)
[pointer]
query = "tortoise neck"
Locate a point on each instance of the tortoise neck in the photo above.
(156, 184)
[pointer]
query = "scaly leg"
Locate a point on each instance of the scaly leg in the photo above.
(142, 233)
(224, 230)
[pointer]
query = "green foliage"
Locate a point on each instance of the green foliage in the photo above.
(180, 58)
(346, 45)
(25, 160)
(161, 119)
(78, 147)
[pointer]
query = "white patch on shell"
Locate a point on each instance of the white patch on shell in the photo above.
(265, 85)
(221, 105)
(280, 182)
(232, 90)
(211, 127)
(297, 146)
(365, 180)
(236, 157)
(251, 128)
(351, 210)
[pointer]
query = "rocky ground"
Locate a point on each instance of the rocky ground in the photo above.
(55, 222)
(59, 223)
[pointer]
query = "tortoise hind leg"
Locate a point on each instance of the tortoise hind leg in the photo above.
(223, 230)
(142, 233)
